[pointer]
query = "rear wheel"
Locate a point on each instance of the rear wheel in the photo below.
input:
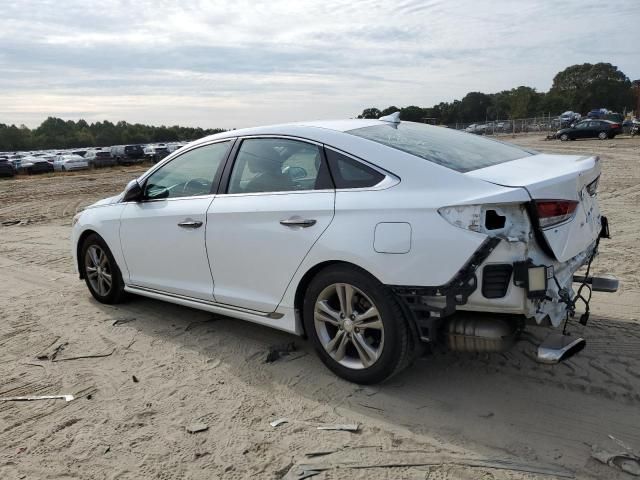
(603, 135)
(101, 273)
(357, 326)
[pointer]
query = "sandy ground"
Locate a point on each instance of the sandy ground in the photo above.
(155, 369)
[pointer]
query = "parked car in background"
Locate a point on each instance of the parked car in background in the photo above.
(32, 165)
(598, 113)
(81, 153)
(476, 128)
(66, 163)
(590, 128)
(100, 158)
(155, 153)
(364, 235)
(568, 118)
(6, 169)
(172, 147)
(127, 154)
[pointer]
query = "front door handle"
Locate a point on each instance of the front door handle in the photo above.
(298, 222)
(190, 224)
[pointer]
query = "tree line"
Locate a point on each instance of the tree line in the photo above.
(58, 133)
(579, 88)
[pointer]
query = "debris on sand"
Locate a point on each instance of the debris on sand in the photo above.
(197, 427)
(66, 398)
(52, 352)
(347, 427)
(278, 422)
(278, 351)
(626, 461)
(122, 321)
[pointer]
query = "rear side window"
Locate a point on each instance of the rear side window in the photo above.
(349, 173)
(458, 151)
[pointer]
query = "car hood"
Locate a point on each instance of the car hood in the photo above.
(107, 201)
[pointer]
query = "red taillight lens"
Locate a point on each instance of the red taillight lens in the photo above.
(553, 212)
(615, 125)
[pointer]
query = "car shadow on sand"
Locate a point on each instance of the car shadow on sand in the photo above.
(503, 401)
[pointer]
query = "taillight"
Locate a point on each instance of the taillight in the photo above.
(553, 212)
(615, 125)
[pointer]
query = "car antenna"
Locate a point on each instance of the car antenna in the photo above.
(393, 119)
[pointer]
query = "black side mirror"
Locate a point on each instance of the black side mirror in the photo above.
(133, 192)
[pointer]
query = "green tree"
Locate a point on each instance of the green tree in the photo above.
(590, 86)
(372, 112)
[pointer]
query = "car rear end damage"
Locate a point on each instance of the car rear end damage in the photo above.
(526, 267)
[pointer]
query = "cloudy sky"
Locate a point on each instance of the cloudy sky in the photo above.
(240, 63)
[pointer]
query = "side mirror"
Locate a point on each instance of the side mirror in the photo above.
(133, 192)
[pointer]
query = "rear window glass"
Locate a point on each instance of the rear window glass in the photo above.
(458, 151)
(349, 173)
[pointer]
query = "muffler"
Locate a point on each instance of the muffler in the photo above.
(480, 334)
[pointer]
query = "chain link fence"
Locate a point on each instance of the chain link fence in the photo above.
(546, 124)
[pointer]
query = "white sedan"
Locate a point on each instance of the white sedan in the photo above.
(370, 237)
(66, 163)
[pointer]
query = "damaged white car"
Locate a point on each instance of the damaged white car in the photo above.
(367, 236)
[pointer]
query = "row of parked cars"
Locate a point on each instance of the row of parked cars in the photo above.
(598, 123)
(46, 161)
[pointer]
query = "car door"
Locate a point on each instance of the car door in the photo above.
(277, 200)
(163, 235)
(581, 130)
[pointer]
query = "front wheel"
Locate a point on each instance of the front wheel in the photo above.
(357, 326)
(101, 273)
(564, 137)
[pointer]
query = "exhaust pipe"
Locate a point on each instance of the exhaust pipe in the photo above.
(604, 283)
(480, 334)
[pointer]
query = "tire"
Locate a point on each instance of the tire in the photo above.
(564, 137)
(389, 344)
(115, 292)
(603, 135)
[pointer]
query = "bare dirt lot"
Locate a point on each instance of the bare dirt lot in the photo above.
(145, 371)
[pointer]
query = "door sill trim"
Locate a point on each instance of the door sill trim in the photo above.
(142, 290)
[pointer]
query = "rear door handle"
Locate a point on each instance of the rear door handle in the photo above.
(298, 222)
(190, 224)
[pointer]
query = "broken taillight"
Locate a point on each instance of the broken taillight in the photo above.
(553, 212)
(592, 188)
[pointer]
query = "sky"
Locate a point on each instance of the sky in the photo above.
(233, 64)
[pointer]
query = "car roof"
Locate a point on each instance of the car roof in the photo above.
(283, 128)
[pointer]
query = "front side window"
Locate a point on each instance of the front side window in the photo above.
(188, 175)
(278, 165)
(458, 151)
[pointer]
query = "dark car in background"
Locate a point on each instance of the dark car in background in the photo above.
(590, 128)
(128, 154)
(32, 165)
(100, 158)
(6, 169)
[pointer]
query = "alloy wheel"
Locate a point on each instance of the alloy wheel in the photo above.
(349, 326)
(98, 270)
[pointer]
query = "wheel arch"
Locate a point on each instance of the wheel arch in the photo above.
(81, 239)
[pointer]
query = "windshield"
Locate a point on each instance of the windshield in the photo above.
(458, 151)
